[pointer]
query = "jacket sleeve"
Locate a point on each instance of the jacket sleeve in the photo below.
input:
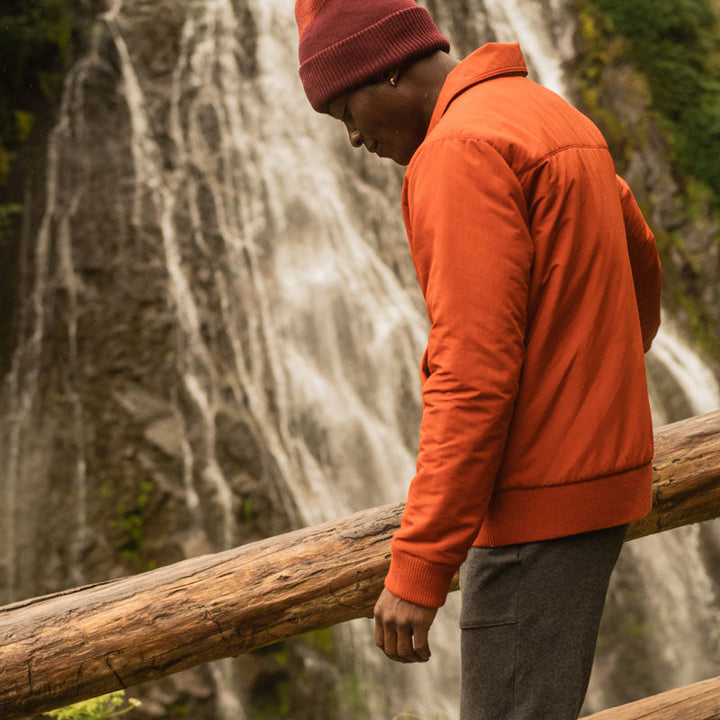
(467, 224)
(645, 264)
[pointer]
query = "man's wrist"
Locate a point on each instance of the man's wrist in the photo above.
(417, 580)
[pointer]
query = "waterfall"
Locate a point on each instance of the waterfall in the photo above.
(678, 374)
(222, 331)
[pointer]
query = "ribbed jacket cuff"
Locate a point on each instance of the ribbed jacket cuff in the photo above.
(419, 581)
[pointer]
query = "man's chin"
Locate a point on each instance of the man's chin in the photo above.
(399, 158)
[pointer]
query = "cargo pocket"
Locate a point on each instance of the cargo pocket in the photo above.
(489, 582)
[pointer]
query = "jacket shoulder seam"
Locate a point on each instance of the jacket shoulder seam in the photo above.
(465, 138)
(557, 151)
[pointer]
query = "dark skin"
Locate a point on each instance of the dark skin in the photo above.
(390, 117)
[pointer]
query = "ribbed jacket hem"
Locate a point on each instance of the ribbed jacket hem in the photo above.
(530, 515)
(542, 513)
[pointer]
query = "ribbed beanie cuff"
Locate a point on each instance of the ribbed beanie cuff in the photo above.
(342, 63)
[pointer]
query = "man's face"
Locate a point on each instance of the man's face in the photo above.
(382, 118)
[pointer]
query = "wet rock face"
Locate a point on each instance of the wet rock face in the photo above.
(124, 451)
(127, 424)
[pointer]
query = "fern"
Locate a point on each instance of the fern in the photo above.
(99, 708)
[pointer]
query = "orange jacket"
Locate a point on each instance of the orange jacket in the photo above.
(542, 284)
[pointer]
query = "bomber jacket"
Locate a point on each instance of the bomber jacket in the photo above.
(542, 285)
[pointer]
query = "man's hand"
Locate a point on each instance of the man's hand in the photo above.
(401, 628)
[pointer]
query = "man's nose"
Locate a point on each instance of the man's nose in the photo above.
(355, 136)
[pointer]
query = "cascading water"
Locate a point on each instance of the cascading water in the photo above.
(223, 312)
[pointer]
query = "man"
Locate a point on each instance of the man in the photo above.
(542, 285)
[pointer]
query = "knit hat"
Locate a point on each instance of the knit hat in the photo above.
(346, 43)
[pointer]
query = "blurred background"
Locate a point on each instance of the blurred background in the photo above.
(211, 330)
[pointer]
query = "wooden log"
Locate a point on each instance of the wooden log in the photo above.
(699, 701)
(87, 641)
(62, 648)
(686, 479)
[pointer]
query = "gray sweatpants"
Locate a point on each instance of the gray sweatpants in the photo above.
(529, 621)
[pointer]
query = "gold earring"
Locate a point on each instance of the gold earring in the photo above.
(393, 81)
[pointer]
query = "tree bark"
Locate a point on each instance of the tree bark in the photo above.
(87, 641)
(686, 475)
(700, 701)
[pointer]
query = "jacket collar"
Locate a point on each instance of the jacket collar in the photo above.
(488, 61)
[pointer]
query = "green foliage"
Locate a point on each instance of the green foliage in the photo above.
(321, 640)
(275, 700)
(35, 49)
(10, 224)
(38, 39)
(24, 122)
(178, 711)
(130, 524)
(247, 510)
(5, 159)
(7, 213)
(676, 45)
(99, 708)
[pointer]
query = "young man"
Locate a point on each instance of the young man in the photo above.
(542, 285)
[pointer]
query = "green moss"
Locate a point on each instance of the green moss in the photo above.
(684, 293)
(129, 523)
(280, 654)
(247, 510)
(676, 46)
(178, 711)
(24, 122)
(321, 640)
(600, 50)
(699, 199)
(37, 44)
(700, 324)
(639, 45)
(275, 698)
(38, 41)
(8, 213)
(10, 223)
(6, 159)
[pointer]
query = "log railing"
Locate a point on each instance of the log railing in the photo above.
(87, 641)
(700, 701)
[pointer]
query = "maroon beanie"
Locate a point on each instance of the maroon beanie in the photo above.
(346, 43)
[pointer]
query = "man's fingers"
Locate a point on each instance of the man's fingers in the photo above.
(379, 633)
(390, 643)
(420, 640)
(401, 628)
(386, 638)
(402, 644)
(405, 645)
